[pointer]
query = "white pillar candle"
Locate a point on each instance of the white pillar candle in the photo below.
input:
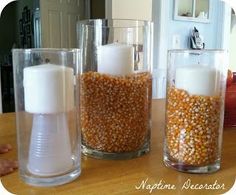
(197, 80)
(115, 59)
(48, 89)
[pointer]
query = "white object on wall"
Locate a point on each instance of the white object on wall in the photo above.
(176, 41)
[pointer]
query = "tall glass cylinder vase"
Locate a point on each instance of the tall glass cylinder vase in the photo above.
(47, 115)
(115, 87)
(195, 110)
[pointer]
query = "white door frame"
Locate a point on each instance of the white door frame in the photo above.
(160, 18)
(224, 22)
(160, 13)
(108, 9)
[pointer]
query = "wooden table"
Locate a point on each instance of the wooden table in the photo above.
(121, 177)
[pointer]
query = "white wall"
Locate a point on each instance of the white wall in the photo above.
(129, 9)
(232, 51)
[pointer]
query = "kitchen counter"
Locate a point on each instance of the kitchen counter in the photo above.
(129, 176)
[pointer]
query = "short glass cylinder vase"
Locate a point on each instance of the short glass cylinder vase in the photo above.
(46, 101)
(195, 109)
(115, 87)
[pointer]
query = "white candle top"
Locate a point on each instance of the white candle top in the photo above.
(198, 80)
(115, 59)
(48, 88)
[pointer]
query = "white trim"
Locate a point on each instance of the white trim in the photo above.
(108, 9)
(224, 23)
(191, 19)
(161, 20)
(87, 6)
(194, 8)
(163, 34)
(159, 83)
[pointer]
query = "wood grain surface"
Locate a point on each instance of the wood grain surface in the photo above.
(124, 176)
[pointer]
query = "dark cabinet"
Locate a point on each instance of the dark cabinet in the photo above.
(8, 104)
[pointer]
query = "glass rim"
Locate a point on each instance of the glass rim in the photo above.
(45, 50)
(140, 23)
(197, 51)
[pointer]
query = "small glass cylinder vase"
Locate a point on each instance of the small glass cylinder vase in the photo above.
(195, 110)
(46, 115)
(115, 87)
